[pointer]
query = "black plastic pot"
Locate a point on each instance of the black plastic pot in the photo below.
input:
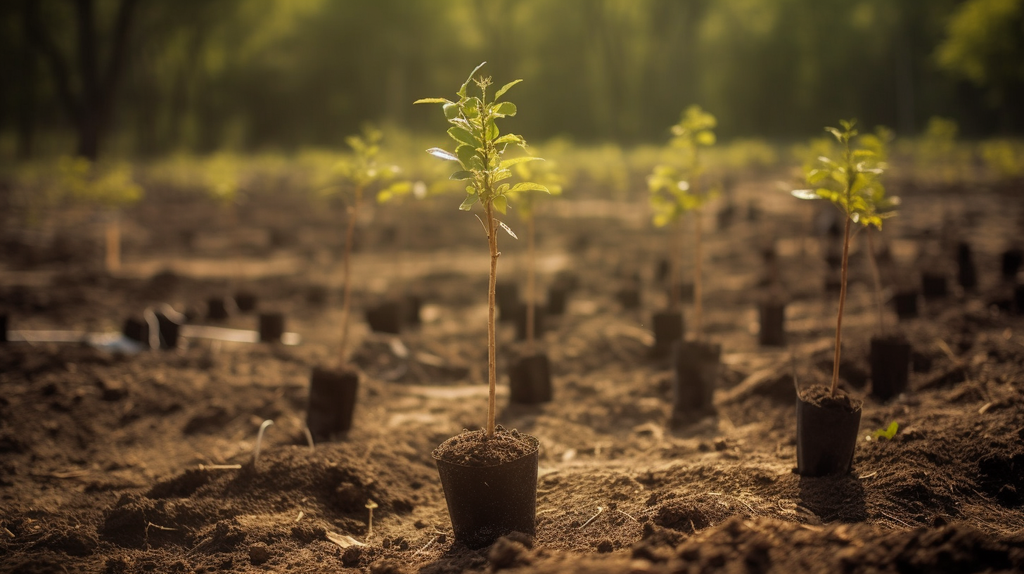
(890, 366)
(332, 400)
(934, 285)
(558, 295)
(529, 380)
(967, 272)
(773, 323)
(385, 317)
(137, 330)
(271, 327)
(629, 298)
(170, 328)
(3, 328)
(696, 367)
(668, 328)
(485, 503)
(1011, 263)
(826, 432)
(216, 309)
(506, 298)
(245, 301)
(905, 303)
(538, 322)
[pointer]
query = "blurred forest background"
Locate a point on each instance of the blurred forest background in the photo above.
(141, 78)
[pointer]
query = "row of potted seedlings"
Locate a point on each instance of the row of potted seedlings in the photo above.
(489, 476)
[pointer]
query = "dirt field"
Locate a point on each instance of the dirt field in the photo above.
(105, 457)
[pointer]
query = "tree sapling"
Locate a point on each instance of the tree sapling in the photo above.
(890, 352)
(851, 184)
(677, 190)
(530, 374)
(333, 391)
(489, 476)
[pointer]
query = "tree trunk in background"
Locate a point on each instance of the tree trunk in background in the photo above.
(90, 109)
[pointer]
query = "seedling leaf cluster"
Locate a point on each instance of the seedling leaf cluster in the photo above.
(674, 187)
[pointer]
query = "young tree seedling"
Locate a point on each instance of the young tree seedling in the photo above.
(479, 151)
(357, 174)
(527, 200)
(852, 184)
(111, 189)
(676, 190)
(878, 142)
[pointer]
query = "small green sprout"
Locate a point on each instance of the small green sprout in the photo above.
(479, 151)
(675, 190)
(852, 184)
(886, 433)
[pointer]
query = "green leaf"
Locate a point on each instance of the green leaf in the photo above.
(528, 186)
(505, 109)
(468, 156)
(461, 175)
(462, 135)
(467, 204)
(887, 433)
(505, 164)
(492, 131)
(500, 203)
(451, 110)
(706, 138)
(465, 85)
(432, 101)
(443, 154)
(510, 138)
(501, 91)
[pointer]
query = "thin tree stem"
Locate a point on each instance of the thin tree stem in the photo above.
(346, 298)
(842, 304)
(675, 254)
(492, 374)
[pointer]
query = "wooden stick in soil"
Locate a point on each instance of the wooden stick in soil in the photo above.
(346, 298)
(492, 374)
(842, 304)
(530, 284)
(876, 275)
(113, 243)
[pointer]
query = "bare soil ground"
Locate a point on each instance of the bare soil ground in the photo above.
(108, 460)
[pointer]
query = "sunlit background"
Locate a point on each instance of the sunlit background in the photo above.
(139, 79)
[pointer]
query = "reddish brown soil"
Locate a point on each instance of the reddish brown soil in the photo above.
(108, 462)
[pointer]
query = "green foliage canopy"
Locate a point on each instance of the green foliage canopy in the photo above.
(480, 146)
(673, 187)
(852, 182)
